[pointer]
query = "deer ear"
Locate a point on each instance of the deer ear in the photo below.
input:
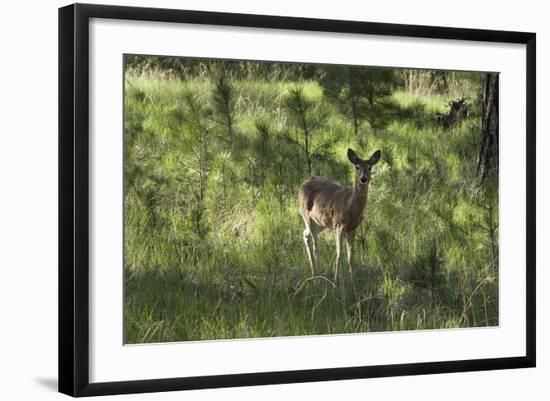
(353, 157)
(374, 158)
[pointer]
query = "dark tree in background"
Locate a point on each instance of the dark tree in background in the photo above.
(194, 138)
(224, 106)
(361, 94)
(262, 148)
(308, 117)
(488, 157)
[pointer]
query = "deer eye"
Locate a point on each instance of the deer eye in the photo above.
(356, 167)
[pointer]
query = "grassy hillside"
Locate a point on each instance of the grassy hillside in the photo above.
(213, 237)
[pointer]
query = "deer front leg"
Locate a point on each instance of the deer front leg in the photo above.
(350, 239)
(338, 251)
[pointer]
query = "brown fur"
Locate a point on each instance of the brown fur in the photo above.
(326, 205)
(332, 206)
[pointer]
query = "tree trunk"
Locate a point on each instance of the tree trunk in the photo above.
(488, 156)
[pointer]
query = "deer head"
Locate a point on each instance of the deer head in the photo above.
(363, 167)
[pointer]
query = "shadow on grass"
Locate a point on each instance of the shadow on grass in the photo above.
(174, 305)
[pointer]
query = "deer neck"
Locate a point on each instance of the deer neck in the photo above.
(359, 196)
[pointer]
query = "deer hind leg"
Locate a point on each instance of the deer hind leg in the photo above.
(314, 231)
(350, 239)
(338, 232)
(308, 240)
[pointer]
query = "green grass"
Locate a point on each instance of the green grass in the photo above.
(232, 264)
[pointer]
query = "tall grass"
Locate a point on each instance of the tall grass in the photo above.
(213, 237)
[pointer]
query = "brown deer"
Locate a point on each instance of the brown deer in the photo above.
(458, 112)
(324, 204)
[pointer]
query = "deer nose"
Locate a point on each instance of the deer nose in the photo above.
(363, 179)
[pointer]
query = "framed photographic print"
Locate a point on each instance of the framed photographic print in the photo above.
(249, 199)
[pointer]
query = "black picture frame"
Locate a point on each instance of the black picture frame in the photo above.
(74, 198)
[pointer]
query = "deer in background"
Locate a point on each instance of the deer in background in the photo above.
(326, 205)
(458, 112)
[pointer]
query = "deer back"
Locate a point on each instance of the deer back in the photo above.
(329, 205)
